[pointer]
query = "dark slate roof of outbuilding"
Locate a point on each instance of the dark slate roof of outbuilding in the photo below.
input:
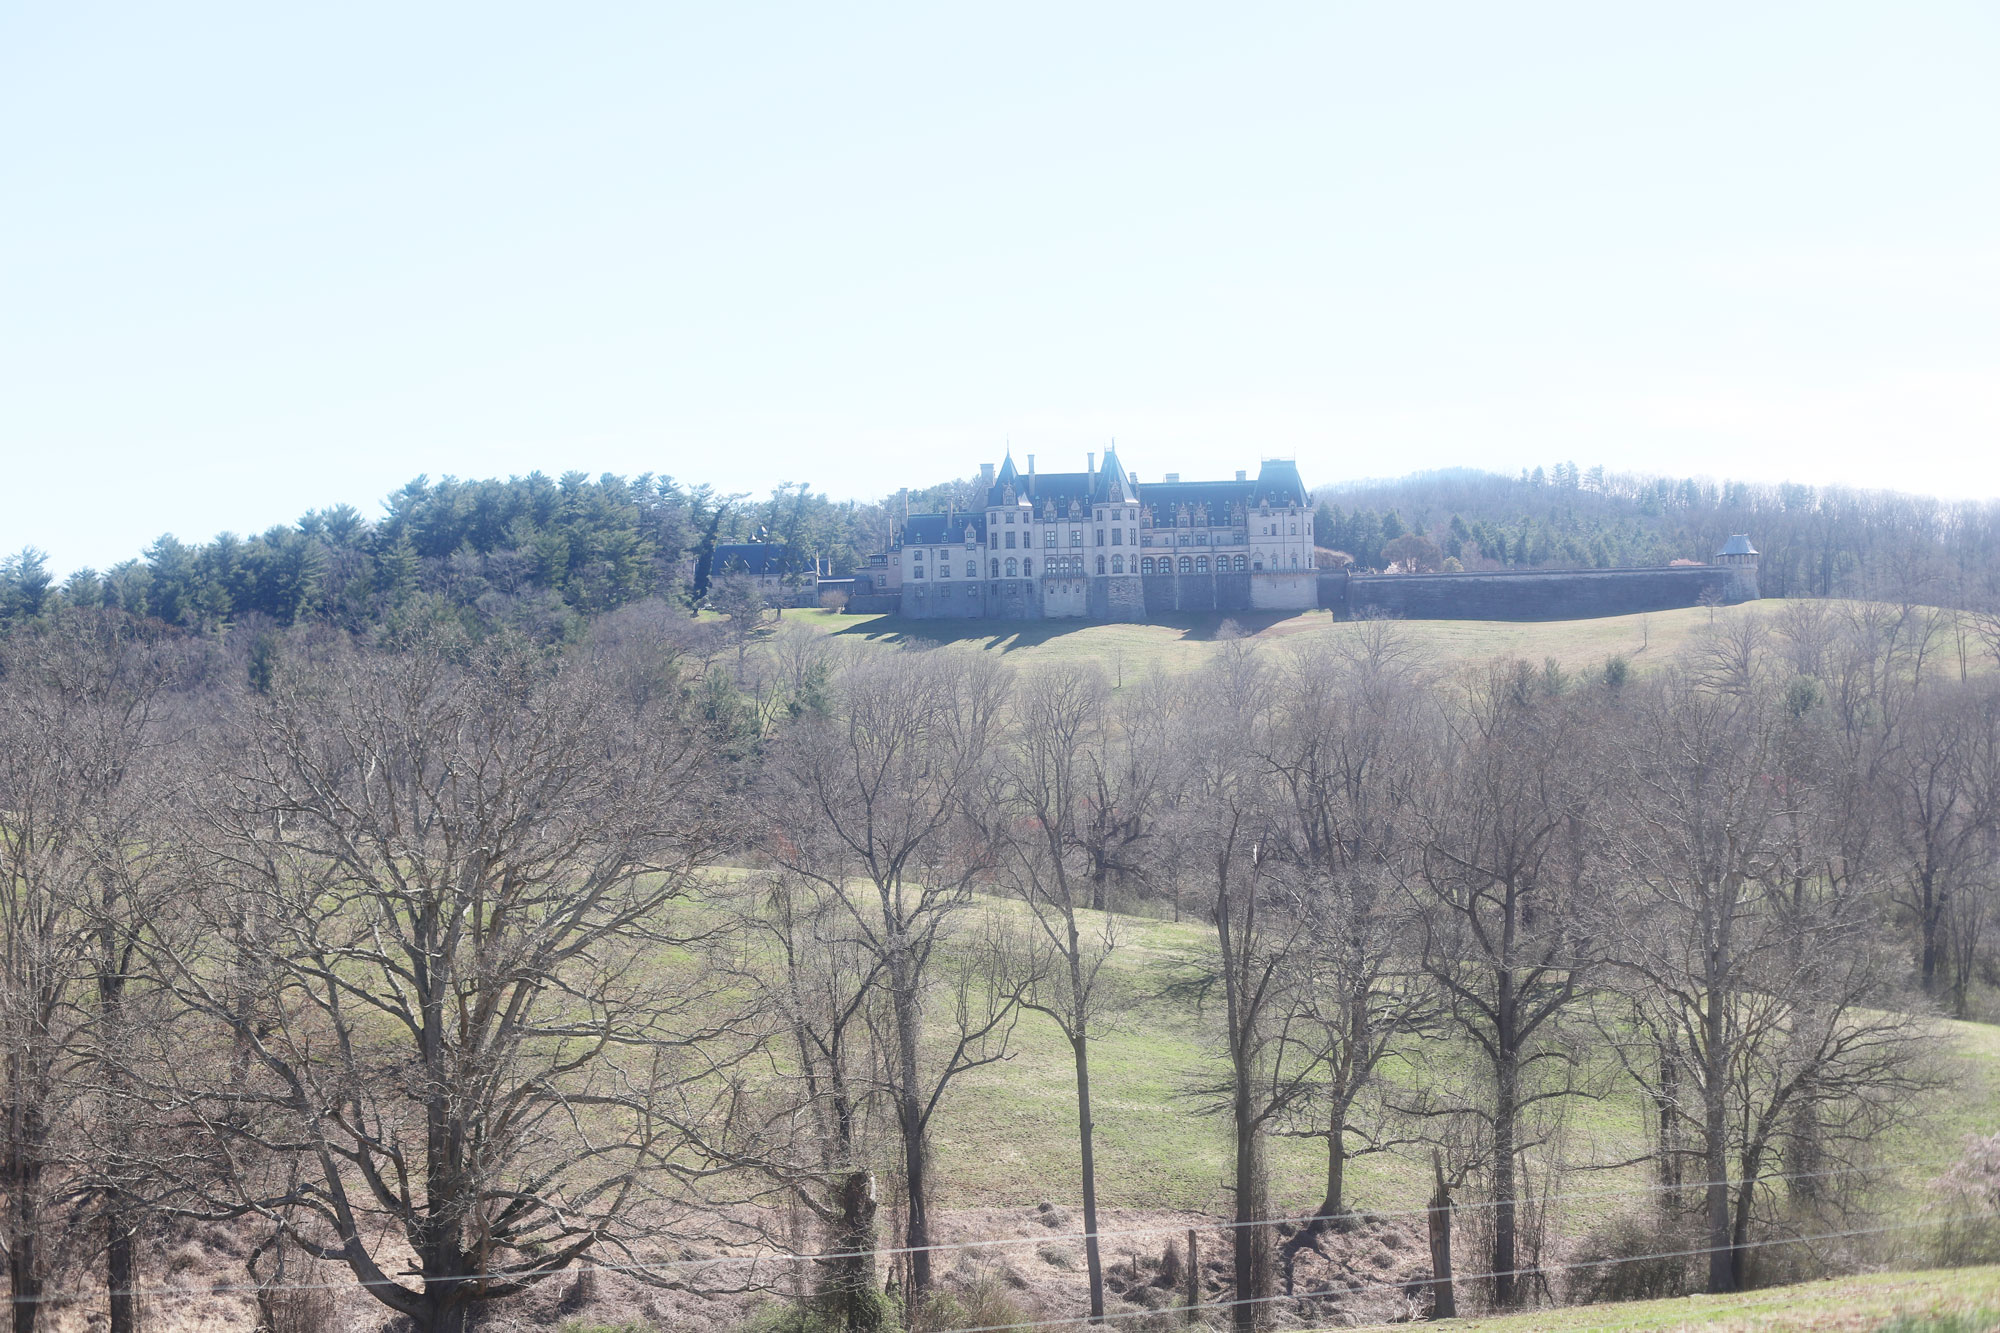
(761, 558)
(941, 529)
(1738, 544)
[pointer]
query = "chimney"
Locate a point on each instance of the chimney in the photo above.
(1173, 477)
(1031, 474)
(1134, 478)
(1241, 475)
(1090, 465)
(986, 473)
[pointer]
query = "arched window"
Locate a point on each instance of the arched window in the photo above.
(1117, 564)
(1027, 569)
(1242, 563)
(1100, 564)
(1201, 564)
(1012, 565)
(1187, 565)
(996, 569)
(1146, 565)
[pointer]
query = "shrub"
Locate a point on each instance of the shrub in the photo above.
(1967, 1207)
(300, 1309)
(1614, 1262)
(983, 1302)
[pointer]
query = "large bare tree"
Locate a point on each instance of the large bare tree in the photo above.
(1504, 877)
(445, 937)
(1339, 747)
(1762, 1001)
(1044, 825)
(86, 734)
(876, 792)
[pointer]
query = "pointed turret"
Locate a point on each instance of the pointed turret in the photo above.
(1111, 484)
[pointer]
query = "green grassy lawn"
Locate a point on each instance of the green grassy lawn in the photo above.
(1006, 1134)
(1965, 1300)
(1186, 642)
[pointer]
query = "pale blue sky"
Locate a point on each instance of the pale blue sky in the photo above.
(260, 258)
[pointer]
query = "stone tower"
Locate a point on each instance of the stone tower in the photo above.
(1741, 557)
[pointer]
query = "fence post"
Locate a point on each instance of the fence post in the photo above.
(1443, 1306)
(1193, 1277)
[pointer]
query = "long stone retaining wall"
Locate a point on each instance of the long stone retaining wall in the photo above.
(1536, 594)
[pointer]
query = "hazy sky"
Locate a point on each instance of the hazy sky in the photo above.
(258, 259)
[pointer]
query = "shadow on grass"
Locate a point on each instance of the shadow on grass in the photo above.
(1008, 635)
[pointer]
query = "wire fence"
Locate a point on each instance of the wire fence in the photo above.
(785, 1259)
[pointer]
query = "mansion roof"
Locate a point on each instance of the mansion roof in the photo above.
(1059, 495)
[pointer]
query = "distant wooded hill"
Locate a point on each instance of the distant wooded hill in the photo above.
(546, 553)
(1816, 541)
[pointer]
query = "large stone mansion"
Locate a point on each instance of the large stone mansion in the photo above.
(1101, 545)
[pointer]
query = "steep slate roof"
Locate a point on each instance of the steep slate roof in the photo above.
(1210, 501)
(1739, 544)
(1058, 489)
(1110, 484)
(1278, 481)
(760, 558)
(941, 529)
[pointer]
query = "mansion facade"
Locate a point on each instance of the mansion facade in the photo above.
(1101, 545)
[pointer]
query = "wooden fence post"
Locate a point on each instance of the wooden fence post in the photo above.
(1443, 1306)
(1193, 1277)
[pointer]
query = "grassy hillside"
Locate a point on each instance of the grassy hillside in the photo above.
(1965, 1300)
(1007, 1135)
(1188, 641)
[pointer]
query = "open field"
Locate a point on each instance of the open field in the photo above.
(1129, 652)
(1189, 641)
(1007, 1133)
(1965, 1300)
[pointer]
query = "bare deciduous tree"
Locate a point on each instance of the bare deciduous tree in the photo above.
(1041, 803)
(878, 787)
(475, 1053)
(1503, 877)
(83, 744)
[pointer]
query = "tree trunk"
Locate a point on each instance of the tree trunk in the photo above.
(1506, 1110)
(121, 1272)
(1335, 1202)
(1093, 1260)
(910, 1120)
(1251, 1249)
(1739, 1252)
(1715, 1160)
(26, 1285)
(1444, 1304)
(851, 1287)
(24, 1182)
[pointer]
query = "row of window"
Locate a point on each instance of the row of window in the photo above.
(1073, 565)
(1222, 538)
(1191, 564)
